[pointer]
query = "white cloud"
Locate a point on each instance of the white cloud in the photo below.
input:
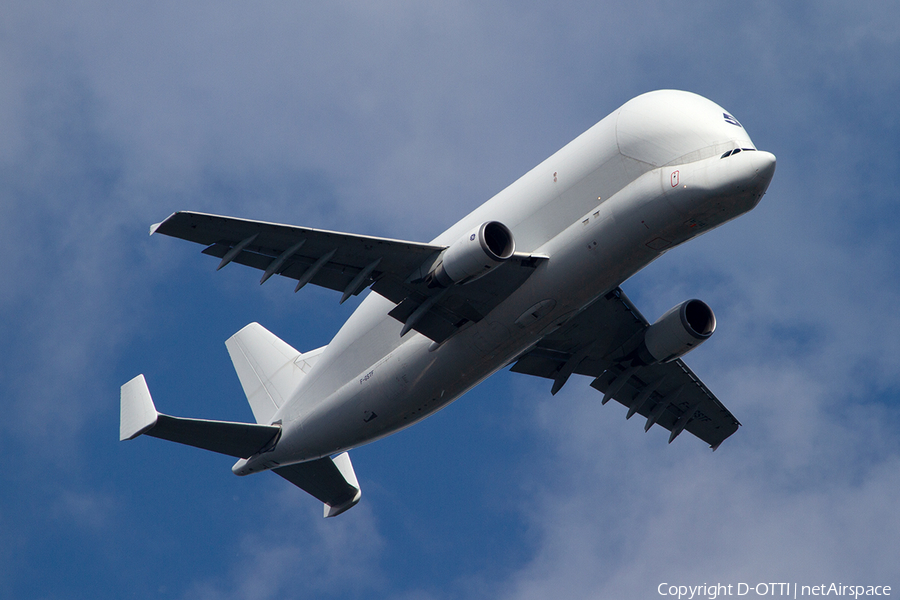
(298, 552)
(794, 496)
(394, 120)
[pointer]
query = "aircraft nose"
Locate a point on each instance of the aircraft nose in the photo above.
(764, 164)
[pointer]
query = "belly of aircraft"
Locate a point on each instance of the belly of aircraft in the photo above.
(411, 380)
(397, 382)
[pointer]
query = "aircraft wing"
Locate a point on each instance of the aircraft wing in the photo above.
(349, 263)
(595, 341)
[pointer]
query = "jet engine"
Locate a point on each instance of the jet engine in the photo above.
(677, 332)
(474, 254)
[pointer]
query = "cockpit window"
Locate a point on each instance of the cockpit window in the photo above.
(735, 151)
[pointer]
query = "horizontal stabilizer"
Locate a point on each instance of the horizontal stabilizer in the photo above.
(240, 440)
(332, 481)
(139, 416)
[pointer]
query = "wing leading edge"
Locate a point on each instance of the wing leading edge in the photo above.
(596, 343)
(350, 263)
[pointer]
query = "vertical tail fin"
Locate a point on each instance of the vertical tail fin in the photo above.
(268, 367)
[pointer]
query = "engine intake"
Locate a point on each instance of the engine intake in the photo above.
(677, 332)
(473, 255)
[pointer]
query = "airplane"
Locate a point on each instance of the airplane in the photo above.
(530, 279)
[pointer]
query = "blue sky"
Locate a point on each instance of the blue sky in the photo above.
(396, 119)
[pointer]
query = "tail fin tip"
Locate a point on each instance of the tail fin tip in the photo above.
(137, 413)
(345, 467)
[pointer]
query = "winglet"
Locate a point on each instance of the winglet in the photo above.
(156, 226)
(342, 462)
(137, 412)
(330, 480)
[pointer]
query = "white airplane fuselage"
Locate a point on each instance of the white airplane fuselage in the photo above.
(648, 177)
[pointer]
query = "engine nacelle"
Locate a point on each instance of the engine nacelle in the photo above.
(677, 332)
(474, 254)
